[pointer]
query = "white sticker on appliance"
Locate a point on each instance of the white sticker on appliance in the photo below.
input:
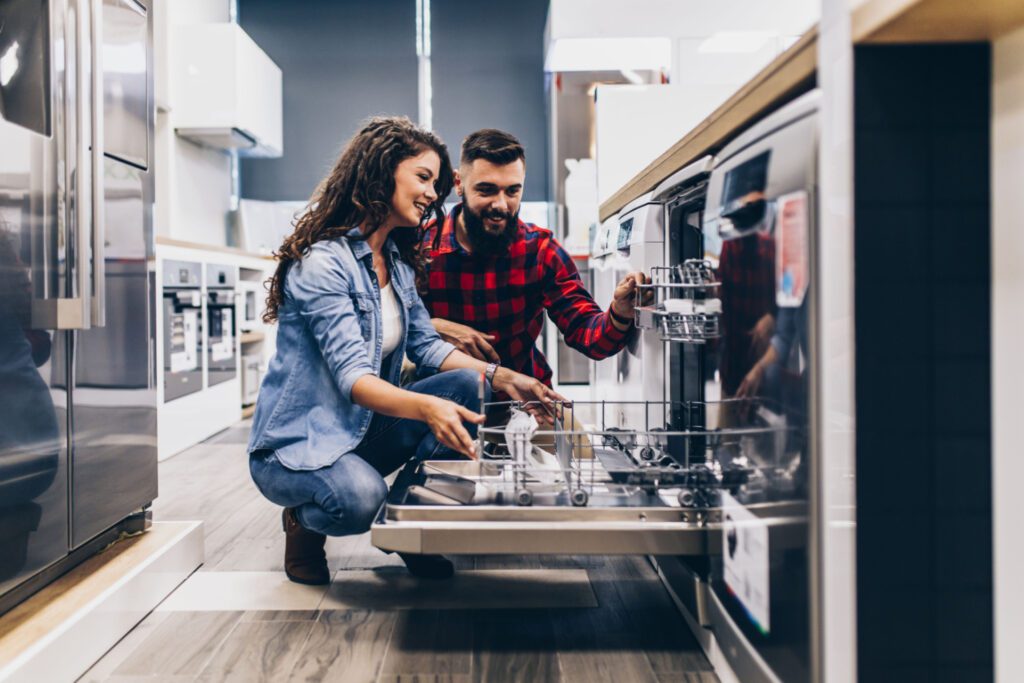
(792, 250)
(745, 553)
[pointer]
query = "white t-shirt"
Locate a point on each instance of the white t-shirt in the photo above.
(391, 320)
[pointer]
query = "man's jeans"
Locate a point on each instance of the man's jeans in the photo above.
(344, 497)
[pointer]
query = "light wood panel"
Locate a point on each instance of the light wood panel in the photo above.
(788, 74)
(45, 611)
(251, 337)
(935, 21)
(170, 242)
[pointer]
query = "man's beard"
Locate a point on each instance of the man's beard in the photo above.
(485, 243)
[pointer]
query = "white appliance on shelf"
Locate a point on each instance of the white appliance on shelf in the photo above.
(640, 367)
(250, 304)
(226, 91)
(602, 275)
(252, 375)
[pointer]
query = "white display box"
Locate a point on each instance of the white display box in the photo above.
(226, 92)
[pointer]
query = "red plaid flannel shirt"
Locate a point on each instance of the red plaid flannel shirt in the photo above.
(746, 269)
(506, 296)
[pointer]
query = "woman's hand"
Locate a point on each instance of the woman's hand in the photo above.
(445, 418)
(538, 397)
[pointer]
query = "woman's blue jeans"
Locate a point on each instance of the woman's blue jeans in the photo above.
(344, 497)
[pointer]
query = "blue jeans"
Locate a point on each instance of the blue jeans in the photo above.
(343, 498)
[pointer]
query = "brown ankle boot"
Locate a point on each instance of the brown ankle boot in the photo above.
(304, 558)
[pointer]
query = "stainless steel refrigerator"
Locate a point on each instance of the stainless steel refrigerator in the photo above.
(77, 372)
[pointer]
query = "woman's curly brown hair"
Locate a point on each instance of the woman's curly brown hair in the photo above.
(358, 192)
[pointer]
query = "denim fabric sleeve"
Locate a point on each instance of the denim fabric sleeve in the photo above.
(321, 288)
(424, 345)
(785, 332)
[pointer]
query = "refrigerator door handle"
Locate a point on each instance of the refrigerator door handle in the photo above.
(76, 313)
(60, 306)
(99, 265)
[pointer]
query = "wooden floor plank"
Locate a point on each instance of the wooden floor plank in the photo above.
(688, 677)
(181, 645)
(668, 643)
(430, 642)
(345, 645)
(601, 644)
(282, 615)
(514, 646)
(258, 651)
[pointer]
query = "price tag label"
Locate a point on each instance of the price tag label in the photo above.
(745, 553)
(792, 250)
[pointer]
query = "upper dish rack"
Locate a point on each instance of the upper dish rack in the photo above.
(680, 308)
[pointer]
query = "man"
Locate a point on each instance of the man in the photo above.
(492, 276)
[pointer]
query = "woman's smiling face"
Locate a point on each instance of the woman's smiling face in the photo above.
(414, 188)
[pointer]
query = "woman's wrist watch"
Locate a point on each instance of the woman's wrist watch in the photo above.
(489, 372)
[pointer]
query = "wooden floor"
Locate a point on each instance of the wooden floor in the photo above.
(634, 632)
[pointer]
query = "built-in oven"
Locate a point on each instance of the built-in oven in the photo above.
(182, 325)
(250, 304)
(221, 335)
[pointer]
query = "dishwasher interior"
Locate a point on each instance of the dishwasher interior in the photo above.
(583, 485)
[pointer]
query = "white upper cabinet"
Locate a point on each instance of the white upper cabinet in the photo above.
(226, 91)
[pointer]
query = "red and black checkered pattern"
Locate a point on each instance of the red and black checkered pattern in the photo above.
(746, 270)
(506, 296)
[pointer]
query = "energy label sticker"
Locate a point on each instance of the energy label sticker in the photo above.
(792, 250)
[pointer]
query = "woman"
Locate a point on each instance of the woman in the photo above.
(330, 421)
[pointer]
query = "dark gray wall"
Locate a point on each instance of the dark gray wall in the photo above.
(342, 62)
(924, 495)
(488, 72)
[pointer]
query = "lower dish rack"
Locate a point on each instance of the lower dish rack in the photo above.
(587, 485)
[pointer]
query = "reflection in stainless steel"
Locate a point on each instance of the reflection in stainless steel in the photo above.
(126, 83)
(25, 64)
(33, 275)
(79, 404)
(31, 449)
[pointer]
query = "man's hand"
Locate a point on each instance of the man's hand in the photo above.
(751, 383)
(466, 339)
(761, 334)
(528, 390)
(624, 299)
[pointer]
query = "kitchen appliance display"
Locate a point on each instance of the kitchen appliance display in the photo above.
(221, 337)
(183, 314)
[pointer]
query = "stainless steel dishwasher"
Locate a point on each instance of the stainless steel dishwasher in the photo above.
(716, 481)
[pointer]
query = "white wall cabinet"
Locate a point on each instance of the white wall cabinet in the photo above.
(226, 91)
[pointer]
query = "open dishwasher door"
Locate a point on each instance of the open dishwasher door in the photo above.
(595, 489)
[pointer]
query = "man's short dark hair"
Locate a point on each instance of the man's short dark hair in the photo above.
(496, 146)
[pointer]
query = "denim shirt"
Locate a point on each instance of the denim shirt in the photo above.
(328, 336)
